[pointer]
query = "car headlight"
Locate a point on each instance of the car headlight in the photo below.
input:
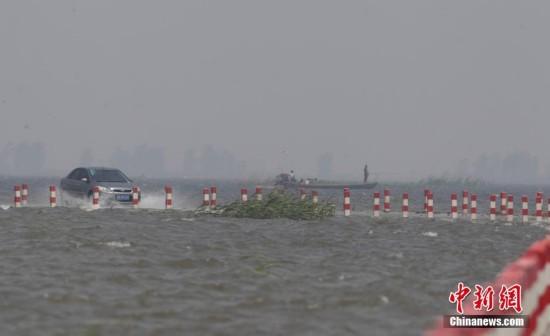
(104, 189)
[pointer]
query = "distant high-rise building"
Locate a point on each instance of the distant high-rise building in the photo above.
(324, 165)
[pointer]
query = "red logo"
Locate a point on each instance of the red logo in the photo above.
(459, 296)
(509, 297)
(484, 298)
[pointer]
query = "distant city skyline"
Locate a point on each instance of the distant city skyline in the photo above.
(414, 88)
(214, 162)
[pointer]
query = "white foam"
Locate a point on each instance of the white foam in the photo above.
(4, 206)
(117, 244)
(398, 255)
(430, 234)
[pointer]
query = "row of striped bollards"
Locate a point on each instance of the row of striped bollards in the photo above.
(469, 205)
(387, 203)
(21, 196)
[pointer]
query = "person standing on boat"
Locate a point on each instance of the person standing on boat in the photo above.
(292, 178)
(365, 174)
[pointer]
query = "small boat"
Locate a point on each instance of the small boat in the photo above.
(287, 181)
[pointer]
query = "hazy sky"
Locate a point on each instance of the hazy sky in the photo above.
(412, 87)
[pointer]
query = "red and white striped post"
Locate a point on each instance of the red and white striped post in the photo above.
(244, 195)
(168, 202)
(426, 191)
(259, 195)
(376, 205)
(537, 196)
(213, 197)
(53, 196)
(510, 208)
(430, 205)
(473, 207)
(503, 203)
(17, 196)
(314, 197)
(454, 206)
(405, 206)
(465, 202)
(205, 197)
(493, 207)
(302, 194)
(135, 197)
(538, 208)
(24, 194)
(347, 202)
(95, 198)
(387, 200)
(525, 208)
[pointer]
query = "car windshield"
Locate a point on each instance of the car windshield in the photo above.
(108, 175)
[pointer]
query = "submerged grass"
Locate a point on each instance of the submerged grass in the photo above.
(276, 204)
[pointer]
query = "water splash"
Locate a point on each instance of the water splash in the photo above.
(156, 200)
(152, 201)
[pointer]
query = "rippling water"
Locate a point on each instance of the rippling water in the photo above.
(70, 271)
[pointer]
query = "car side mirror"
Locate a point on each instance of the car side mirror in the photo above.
(84, 179)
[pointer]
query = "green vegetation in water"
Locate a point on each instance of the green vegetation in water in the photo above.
(277, 204)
